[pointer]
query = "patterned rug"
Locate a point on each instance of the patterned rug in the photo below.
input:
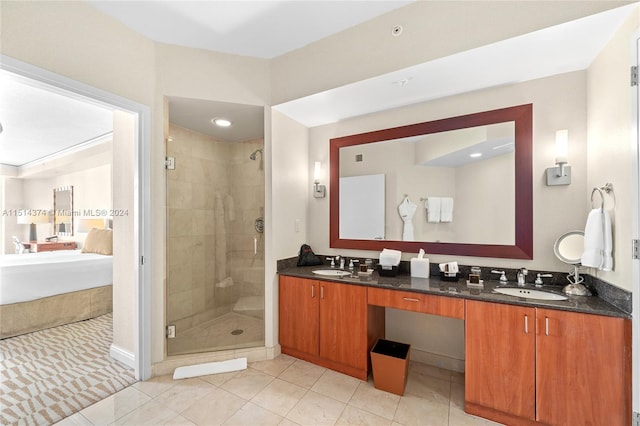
(48, 375)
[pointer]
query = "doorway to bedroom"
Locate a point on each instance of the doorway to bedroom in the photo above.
(215, 227)
(130, 185)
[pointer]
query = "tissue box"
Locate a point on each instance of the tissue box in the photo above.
(420, 267)
(387, 270)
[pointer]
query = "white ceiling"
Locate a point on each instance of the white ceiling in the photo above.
(555, 50)
(38, 123)
(261, 29)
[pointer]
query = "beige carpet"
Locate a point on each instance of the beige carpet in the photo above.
(51, 374)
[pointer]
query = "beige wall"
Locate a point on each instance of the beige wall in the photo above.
(289, 199)
(609, 144)
(124, 230)
(91, 191)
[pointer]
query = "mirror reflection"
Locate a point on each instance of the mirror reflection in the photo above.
(63, 211)
(432, 187)
(459, 185)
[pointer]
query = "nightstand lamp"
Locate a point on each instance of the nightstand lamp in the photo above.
(33, 218)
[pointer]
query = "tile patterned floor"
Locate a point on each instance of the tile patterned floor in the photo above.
(50, 374)
(285, 391)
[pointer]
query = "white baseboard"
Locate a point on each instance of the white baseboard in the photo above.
(120, 355)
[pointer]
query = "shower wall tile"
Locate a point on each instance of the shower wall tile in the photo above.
(197, 196)
(178, 248)
(180, 222)
(205, 171)
(196, 171)
(179, 278)
(180, 194)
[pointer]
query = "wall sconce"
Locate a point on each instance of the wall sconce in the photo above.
(319, 191)
(561, 174)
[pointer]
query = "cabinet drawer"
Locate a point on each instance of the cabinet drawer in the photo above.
(417, 302)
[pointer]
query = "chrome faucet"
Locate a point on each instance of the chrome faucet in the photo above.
(522, 275)
(341, 259)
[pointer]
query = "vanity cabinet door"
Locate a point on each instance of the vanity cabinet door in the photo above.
(583, 369)
(343, 324)
(299, 313)
(499, 359)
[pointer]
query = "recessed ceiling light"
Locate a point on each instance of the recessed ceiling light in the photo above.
(221, 122)
(475, 155)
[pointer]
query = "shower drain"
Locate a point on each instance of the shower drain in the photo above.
(237, 332)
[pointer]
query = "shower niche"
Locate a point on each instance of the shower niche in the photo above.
(215, 254)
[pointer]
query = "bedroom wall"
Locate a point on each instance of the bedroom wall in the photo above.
(91, 192)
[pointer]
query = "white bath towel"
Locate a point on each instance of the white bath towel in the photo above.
(598, 241)
(432, 204)
(446, 209)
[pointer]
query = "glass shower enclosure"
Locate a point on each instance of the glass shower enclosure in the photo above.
(215, 229)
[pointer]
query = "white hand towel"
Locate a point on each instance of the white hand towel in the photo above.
(390, 257)
(433, 209)
(598, 241)
(446, 209)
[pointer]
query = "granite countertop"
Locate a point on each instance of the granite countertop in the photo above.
(435, 286)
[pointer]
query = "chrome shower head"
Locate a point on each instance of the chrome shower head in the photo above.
(254, 154)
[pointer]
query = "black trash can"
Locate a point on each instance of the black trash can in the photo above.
(390, 365)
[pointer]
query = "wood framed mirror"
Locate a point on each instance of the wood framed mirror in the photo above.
(63, 211)
(516, 187)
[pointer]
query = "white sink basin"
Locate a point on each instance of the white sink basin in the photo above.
(331, 272)
(530, 293)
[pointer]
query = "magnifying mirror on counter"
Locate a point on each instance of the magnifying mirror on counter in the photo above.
(568, 248)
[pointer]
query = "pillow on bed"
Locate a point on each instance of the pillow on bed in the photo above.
(99, 241)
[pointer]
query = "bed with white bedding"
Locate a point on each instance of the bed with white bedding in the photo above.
(42, 290)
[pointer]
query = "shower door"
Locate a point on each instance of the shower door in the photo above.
(215, 243)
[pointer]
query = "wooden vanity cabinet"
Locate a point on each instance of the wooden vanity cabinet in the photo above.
(533, 365)
(299, 315)
(500, 360)
(326, 323)
(583, 369)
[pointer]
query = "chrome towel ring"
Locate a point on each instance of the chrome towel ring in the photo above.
(608, 188)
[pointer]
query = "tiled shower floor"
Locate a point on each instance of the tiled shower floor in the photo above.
(229, 331)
